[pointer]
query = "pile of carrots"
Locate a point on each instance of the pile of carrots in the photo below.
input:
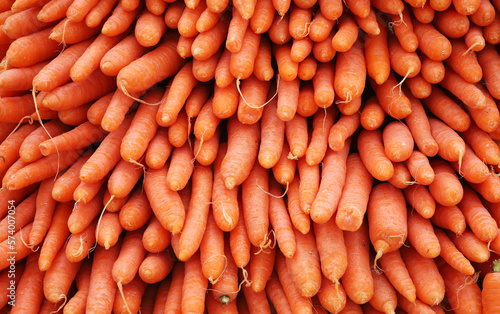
(252, 156)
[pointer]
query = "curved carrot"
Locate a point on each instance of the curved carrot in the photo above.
(372, 154)
(452, 255)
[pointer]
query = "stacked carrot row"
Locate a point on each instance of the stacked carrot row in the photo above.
(205, 156)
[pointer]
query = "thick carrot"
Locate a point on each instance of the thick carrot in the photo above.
(136, 211)
(421, 235)
(236, 31)
(120, 20)
(122, 54)
(398, 142)
(488, 118)
(388, 231)
(445, 188)
(159, 149)
(31, 49)
(354, 198)
(109, 230)
(357, 279)
(263, 15)
(263, 69)
(162, 62)
(253, 97)
(278, 32)
(53, 10)
(350, 71)
(296, 135)
(332, 250)
(207, 152)
(9, 148)
(56, 283)
(194, 286)
(395, 104)
(372, 115)
(242, 62)
(272, 136)
(372, 154)
(155, 238)
(403, 29)
(463, 63)
(477, 217)
(235, 168)
(429, 284)
(156, 266)
(307, 106)
(167, 207)
(330, 189)
(420, 169)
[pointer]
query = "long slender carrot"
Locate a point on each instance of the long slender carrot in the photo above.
(452, 255)
(357, 279)
(194, 286)
(56, 283)
(102, 287)
(29, 290)
(330, 189)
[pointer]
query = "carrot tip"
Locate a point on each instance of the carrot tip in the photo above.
(230, 182)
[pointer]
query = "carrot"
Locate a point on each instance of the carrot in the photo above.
(295, 299)
(403, 29)
(296, 134)
(168, 207)
(317, 148)
(357, 279)
(445, 188)
(261, 267)
(464, 64)
(263, 69)
(76, 304)
(19, 164)
(449, 217)
(68, 32)
(394, 7)
(78, 9)
(469, 94)
(304, 265)
(178, 132)
(386, 235)
(159, 149)
(261, 20)
(489, 60)
(194, 286)
(42, 169)
(256, 301)
(79, 137)
(451, 255)
(422, 237)
(488, 188)
(384, 297)
(377, 52)
(155, 238)
(330, 189)
(402, 177)
(29, 150)
(9, 148)
(207, 152)
(473, 169)
(276, 295)
(471, 246)
(484, 15)
(451, 145)
(414, 307)
(424, 14)
(207, 20)
(236, 32)
(406, 64)
(253, 97)
(136, 211)
(451, 23)
(231, 167)
(462, 291)
(164, 54)
(156, 267)
(432, 71)
(279, 30)
(23, 214)
(300, 18)
(482, 144)
(56, 283)
(83, 214)
(122, 54)
(397, 105)
(350, 71)
(397, 273)
(430, 286)
(431, 42)
(31, 49)
(419, 126)
(120, 20)
(354, 198)
(53, 10)
(67, 183)
(20, 79)
(421, 200)
(398, 142)
(129, 299)
(442, 106)
(489, 303)
(114, 204)
(488, 118)
(440, 5)
(29, 290)
(201, 49)
(108, 232)
(372, 115)
(320, 27)
(420, 169)
(99, 12)
(371, 151)
(477, 217)
(102, 286)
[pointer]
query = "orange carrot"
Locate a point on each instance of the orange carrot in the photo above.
(462, 291)
(53, 10)
(29, 290)
(165, 54)
(120, 20)
(473, 169)
(387, 232)
(468, 93)
(377, 52)
(159, 149)
(357, 279)
(451, 145)
(261, 20)
(397, 273)
(99, 12)
(424, 273)
(330, 189)
(350, 71)
(482, 144)
(471, 246)
(354, 198)
(451, 255)
(306, 106)
(372, 154)
(332, 250)
(420, 128)
(31, 49)
(122, 54)
(136, 212)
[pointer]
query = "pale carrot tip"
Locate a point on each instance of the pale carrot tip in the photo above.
(43, 265)
(230, 182)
